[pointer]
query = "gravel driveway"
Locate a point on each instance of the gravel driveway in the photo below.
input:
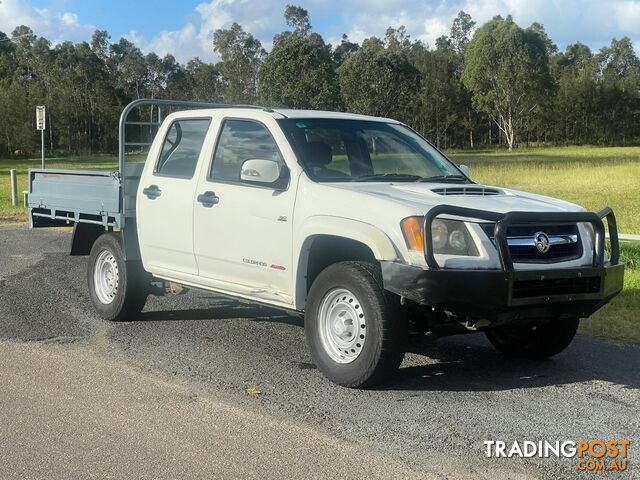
(450, 395)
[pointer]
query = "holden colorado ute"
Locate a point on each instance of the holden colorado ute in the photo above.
(356, 222)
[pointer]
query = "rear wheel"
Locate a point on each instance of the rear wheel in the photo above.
(354, 329)
(540, 341)
(118, 289)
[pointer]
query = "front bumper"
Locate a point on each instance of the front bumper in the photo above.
(507, 294)
(497, 295)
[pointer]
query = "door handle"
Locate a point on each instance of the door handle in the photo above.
(208, 199)
(152, 192)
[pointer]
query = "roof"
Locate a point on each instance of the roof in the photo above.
(279, 113)
(290, 113)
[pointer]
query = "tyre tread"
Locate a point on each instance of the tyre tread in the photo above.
(133, 276)
(390, 348)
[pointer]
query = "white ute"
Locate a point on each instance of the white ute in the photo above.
(356, 222)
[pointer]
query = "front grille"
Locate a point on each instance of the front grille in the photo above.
(530, 254)
(555, 286)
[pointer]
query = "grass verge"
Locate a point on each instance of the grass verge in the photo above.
(620, 320)
(589, 176)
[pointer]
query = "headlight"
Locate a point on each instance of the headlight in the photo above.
(458, 240)
(450, 237)
(439, 234)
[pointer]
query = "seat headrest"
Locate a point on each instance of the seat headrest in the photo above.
(319, 154)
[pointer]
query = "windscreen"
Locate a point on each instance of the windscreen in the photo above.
(337, 150)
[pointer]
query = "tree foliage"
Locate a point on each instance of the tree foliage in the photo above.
(506, 70)
(241, 56)
(499, 84)
(379, 79)
(299, 74)
(299, 71)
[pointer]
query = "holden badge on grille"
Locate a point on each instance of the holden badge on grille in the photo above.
(541, 240)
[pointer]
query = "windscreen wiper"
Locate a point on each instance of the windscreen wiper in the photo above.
(444, 178)
(403, 177)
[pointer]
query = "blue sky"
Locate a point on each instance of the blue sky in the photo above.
(184, 27)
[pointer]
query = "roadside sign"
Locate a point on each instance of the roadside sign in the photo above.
(41, 124)
(40, 117)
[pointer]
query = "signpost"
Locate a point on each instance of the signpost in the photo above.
(41, 124)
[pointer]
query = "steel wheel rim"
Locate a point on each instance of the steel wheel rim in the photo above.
(343, 324)
(106, 277)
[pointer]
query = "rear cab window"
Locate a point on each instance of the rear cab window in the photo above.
(181, 148)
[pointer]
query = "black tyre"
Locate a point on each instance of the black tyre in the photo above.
(118, 289)
(534, 342)
(355, 331)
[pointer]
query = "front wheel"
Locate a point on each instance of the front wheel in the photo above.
(354, 328)
(535, 342)
(118, 289)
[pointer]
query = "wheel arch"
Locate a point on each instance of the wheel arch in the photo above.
(325, 240)
(85, 235)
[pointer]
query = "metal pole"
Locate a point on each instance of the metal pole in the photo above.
(14, 188)
(42, 141)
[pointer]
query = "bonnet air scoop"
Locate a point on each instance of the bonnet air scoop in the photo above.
(467, 190)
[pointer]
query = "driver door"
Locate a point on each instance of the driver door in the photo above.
(242, 231)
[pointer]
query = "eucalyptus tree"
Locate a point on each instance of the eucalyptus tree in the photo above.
(461, 31)
(299, 71)
(299, 74)
(344, 50)
(201, 82)
(438, 100)
(241, 56)
(127, 66)
(380, 80)
(506, 70)
(619, 72)
(574, 107)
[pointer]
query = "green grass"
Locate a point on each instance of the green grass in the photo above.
(620, 319)
(589, 176)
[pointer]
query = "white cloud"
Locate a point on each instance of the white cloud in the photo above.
(434, 28)
(593, 22)
(54, 26)
(184, 44)
(628, 16)
(69, 19)
(263, 20)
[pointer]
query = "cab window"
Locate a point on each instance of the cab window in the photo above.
(181, 148)
(241, 140)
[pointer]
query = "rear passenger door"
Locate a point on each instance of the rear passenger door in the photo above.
(165, 200)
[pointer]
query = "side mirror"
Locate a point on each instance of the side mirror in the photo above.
(261, 172)
(464, 169)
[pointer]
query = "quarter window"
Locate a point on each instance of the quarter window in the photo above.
(239, 141)
(181, 148)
